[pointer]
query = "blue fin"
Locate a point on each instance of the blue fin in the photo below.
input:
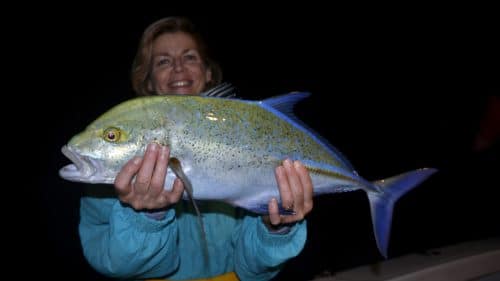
(283, 106)
(382, 203)
(286, 103)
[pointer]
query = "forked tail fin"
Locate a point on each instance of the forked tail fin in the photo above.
(382, 203)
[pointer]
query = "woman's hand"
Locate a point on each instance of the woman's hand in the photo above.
(296, 192)
(147, 191)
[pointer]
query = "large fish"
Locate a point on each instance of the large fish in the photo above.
(227, 150)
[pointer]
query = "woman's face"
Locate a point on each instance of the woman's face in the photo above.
(177, 67)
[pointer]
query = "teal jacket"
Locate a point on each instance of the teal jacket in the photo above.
(121, 242)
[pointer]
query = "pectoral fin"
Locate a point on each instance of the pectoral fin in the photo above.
(176, 167)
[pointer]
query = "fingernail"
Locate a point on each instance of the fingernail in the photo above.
(164, 151)
(287, 163)
(136, 160)
(279, 169)
(153, 146)
(297, 164)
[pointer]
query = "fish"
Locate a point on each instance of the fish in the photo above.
(226, 149)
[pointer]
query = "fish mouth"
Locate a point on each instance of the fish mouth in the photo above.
(83, 168)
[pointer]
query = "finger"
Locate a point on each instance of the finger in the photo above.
(175, 194)
(124, 178)
(145, 173)
(274, 215)
(160, 172)
(305, 179)
(284, 188)
(295, 185)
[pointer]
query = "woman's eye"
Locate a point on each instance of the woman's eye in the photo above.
(164, 62)
(190, 58)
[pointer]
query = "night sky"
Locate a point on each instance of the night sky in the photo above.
(392, 92)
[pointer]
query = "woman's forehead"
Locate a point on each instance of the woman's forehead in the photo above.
(177, 41)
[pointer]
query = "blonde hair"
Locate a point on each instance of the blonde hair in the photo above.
(142, 64)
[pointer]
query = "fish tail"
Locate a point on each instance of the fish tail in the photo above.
(382, 202)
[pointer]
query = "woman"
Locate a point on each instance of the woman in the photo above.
(146, 231)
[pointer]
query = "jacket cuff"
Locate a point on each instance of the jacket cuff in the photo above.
(140, 220)
(159, 215)
(282, 235)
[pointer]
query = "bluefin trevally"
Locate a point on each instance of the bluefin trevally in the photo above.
(228, 150)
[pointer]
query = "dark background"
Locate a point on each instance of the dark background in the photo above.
(393, 91)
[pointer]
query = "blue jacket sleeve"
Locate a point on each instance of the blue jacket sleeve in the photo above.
(260, 254)
(121, 242)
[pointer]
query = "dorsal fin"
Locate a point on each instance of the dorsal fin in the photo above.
(286, 103)
(283, 106)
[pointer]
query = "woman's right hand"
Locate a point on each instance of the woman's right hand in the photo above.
(146, 191)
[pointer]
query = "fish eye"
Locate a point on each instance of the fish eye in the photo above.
(112, 134)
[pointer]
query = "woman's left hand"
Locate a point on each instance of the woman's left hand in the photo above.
(296, 192)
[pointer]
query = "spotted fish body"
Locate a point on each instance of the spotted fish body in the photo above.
(228, 149)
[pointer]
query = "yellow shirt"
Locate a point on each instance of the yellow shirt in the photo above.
(230, 276)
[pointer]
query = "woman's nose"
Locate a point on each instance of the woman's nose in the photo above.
(178, 65)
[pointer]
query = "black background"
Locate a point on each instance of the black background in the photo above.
(392, 89)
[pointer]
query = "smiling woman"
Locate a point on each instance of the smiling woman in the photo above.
(172, 58)
(177, 66)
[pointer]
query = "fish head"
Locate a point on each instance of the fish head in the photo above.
(98, 155)
(100, 151)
